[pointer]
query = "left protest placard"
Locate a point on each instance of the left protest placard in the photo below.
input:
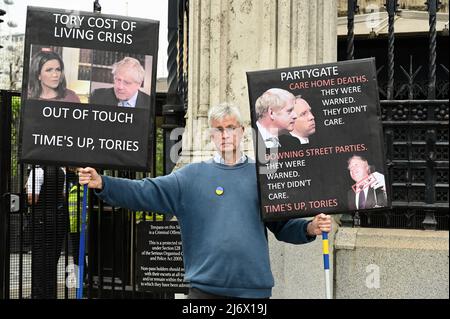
(88, 95)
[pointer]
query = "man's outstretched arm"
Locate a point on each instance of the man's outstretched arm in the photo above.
(161, 194)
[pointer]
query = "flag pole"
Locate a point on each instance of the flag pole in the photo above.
(82, 245)
(326, 264)
(97, 9)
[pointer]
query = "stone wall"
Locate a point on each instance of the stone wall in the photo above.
(391, 263)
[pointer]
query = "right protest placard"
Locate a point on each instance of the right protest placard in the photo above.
(319, 139)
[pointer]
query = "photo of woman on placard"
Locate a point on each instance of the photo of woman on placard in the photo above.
(47, 80)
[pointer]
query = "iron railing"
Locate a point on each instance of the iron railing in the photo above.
(415, 117)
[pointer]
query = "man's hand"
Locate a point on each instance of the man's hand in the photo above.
(320, 223)
(90, 177)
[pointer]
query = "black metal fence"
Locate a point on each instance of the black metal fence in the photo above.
(40, 232)
(413, 86)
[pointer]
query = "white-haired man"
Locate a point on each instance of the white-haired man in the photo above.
(128, 78)
(216, 203)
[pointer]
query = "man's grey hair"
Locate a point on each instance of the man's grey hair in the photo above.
(274, 98)
(219, 112)
(130, 63)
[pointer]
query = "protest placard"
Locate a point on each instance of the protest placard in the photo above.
(88, 96)
(319, 139)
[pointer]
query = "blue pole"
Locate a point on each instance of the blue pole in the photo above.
(82, 244)
(326, 264)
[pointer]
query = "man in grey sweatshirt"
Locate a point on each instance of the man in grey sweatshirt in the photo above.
(225, 246)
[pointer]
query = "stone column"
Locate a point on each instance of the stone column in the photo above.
(227, 38)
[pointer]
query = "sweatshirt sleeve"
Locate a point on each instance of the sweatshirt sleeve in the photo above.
(160, 194)
(292, 231)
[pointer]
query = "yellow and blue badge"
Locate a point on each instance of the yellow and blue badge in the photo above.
(219, 191)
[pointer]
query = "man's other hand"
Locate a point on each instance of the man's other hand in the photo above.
(320, 223)
(90, 177)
